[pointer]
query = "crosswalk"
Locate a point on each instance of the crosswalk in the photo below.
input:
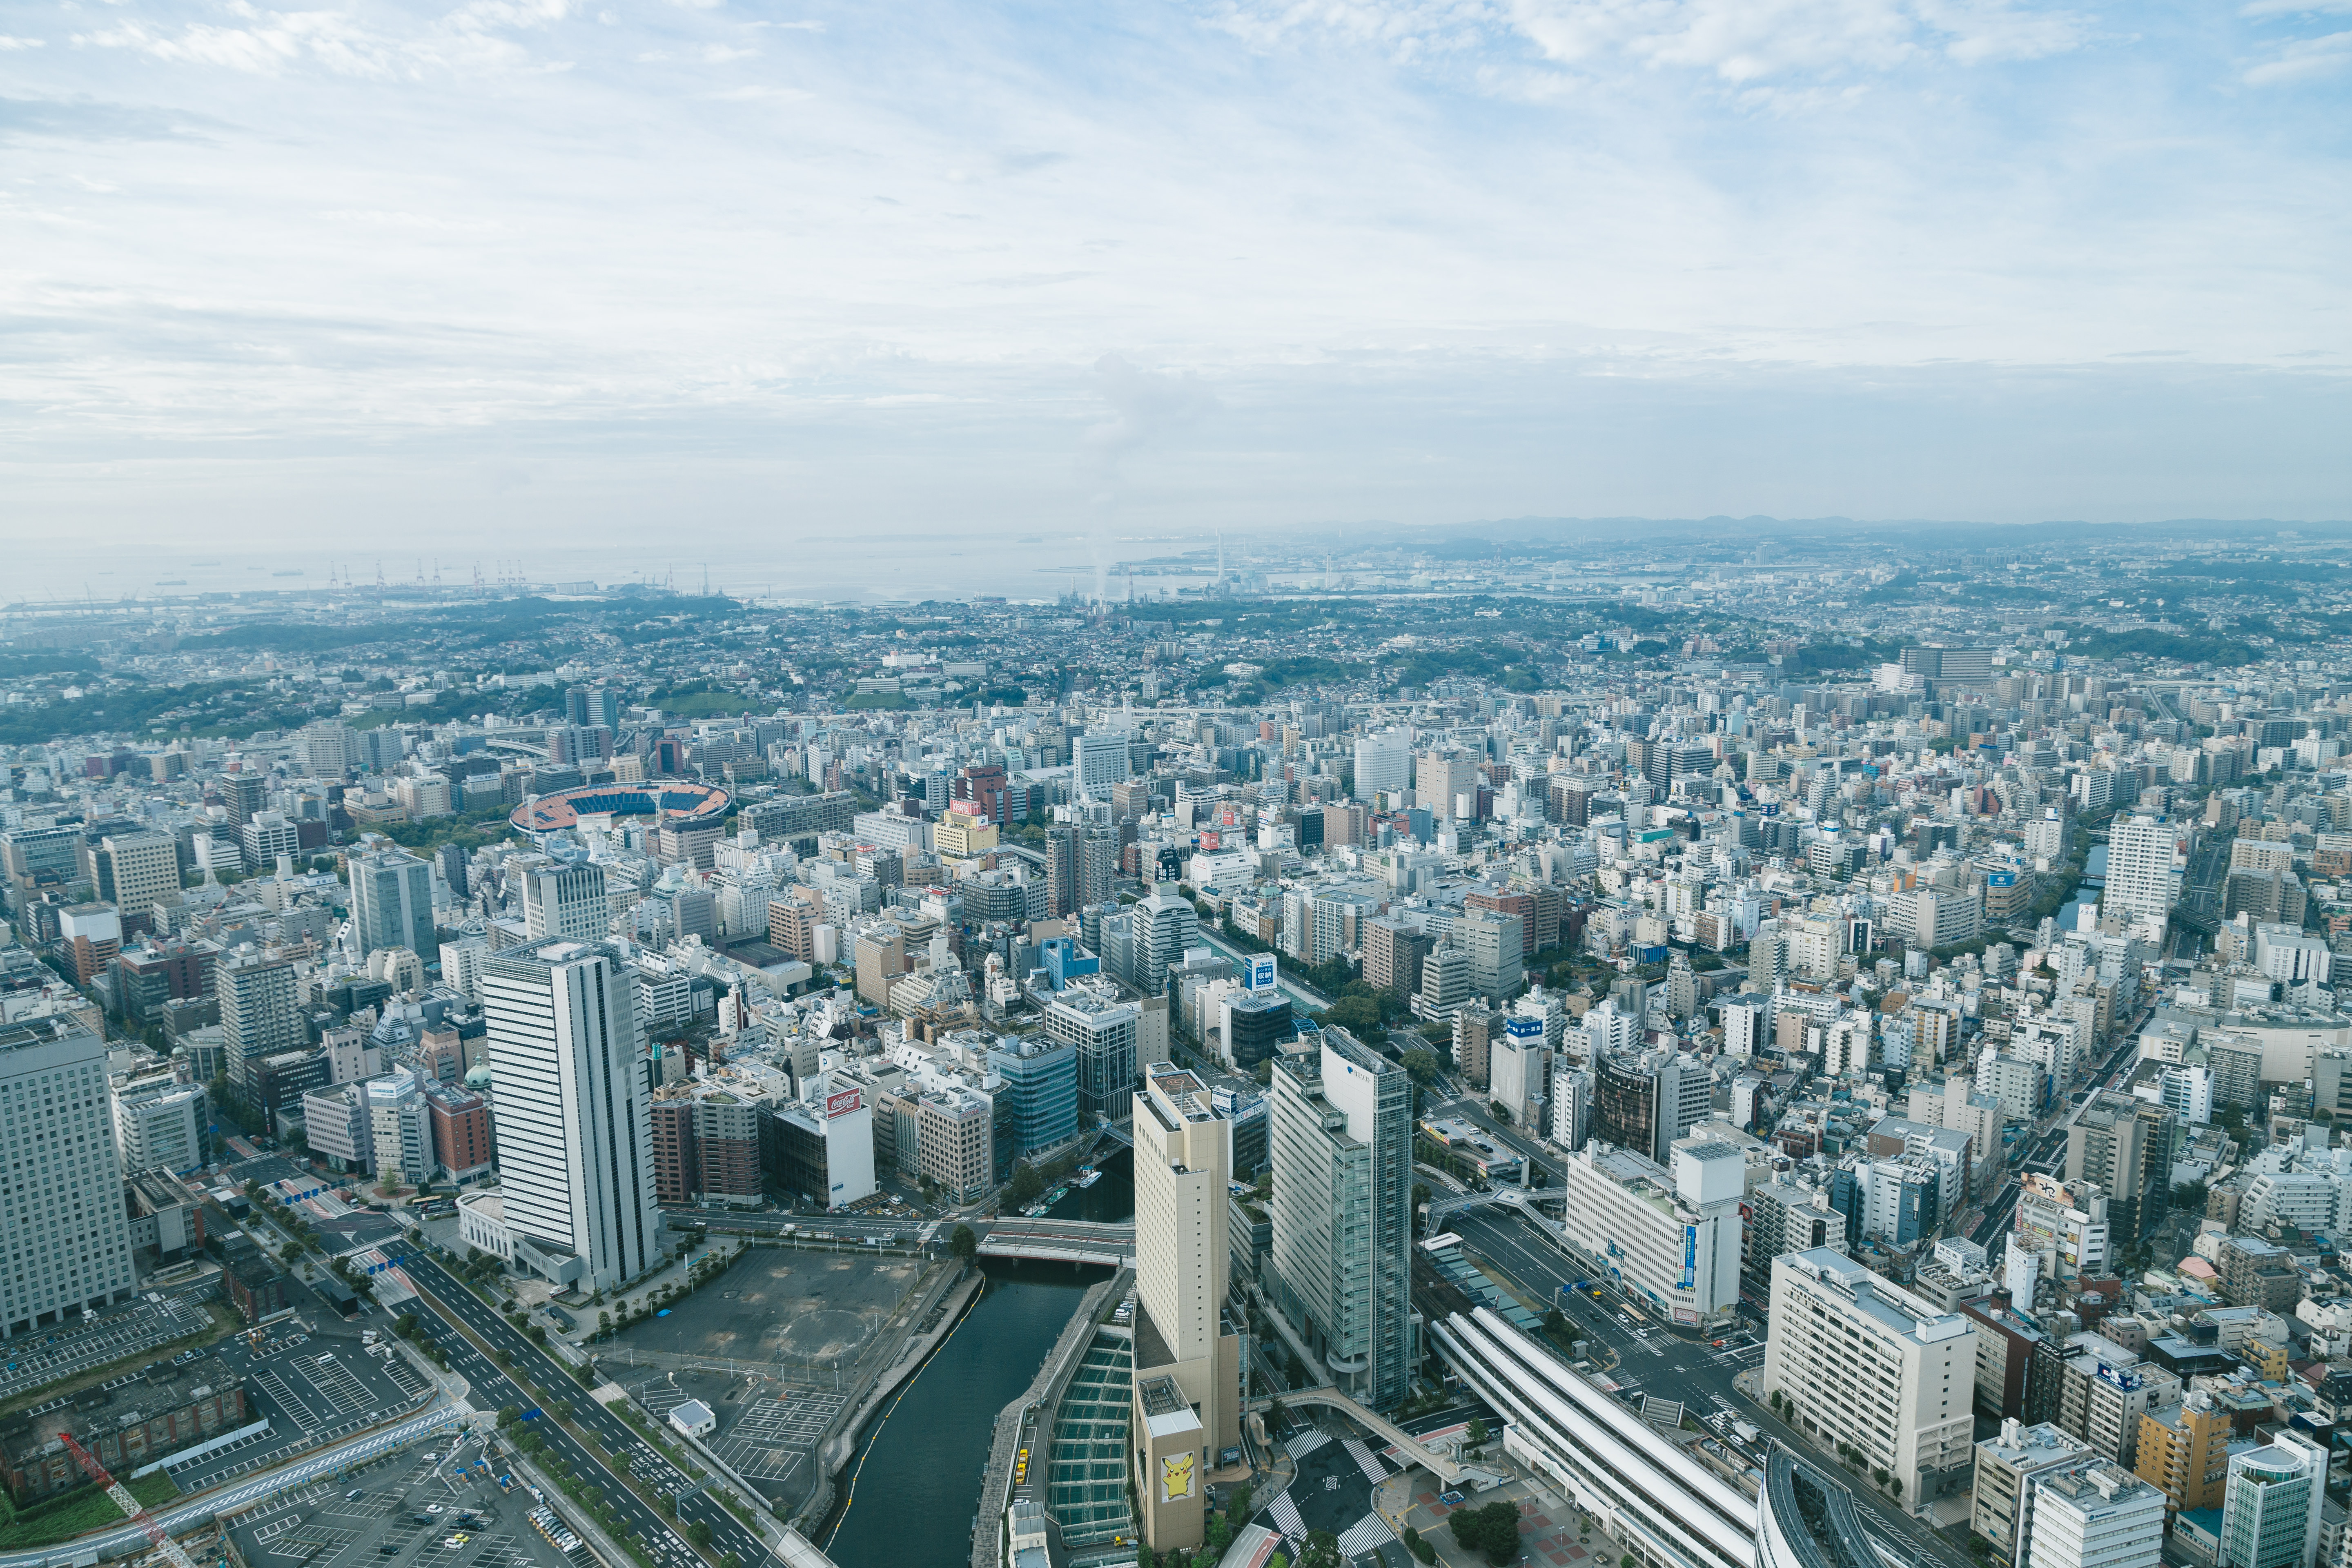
(1366, 1461)
(1286, 1517)
(1367, 1534)
(1304, 1444)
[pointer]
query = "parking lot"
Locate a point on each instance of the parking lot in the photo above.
(314, 1380)
(768, 1429)
(409, 1510)
(780, 1305)
(47, 1356)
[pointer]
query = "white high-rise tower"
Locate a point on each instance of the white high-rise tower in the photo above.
(575, 1128)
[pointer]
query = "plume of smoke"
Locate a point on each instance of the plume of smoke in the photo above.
(1144, 406)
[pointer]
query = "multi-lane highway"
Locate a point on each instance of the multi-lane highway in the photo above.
(444, 1301)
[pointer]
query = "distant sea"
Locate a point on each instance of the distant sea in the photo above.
(872, 569)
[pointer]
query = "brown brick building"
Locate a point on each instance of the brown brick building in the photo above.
(123, 1428)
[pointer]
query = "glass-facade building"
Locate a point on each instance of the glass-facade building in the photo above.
(1039, 1100)
(1341, 1142)
(2270, 1508)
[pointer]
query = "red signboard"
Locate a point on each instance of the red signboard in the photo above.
(842, 1104)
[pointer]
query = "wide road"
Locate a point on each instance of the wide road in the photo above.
(442, 1301)
(1673, 1367)
(324, 1462)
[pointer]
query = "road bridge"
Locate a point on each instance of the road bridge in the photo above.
(1060, 1241)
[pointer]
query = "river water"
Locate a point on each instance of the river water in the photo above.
(1110, 1200)
(918, 1470)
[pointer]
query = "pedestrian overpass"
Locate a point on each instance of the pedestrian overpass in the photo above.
(1444, 1467)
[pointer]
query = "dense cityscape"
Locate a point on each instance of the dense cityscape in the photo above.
(1801, 1053)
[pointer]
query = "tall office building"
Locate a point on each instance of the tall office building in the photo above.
(2270, 1507)
(564, 901)
(1383, 765)
(61, 1189)
(244, 795)
(1341, 1148)
(2125, 1145)
(1081, 864)
(134, 870)
(1445, 983)
(397, 1125)
(330, 749)
(1166, 924)
(2142, 885)
(450, 860)
(584, 706)
(575, 1144)
(1100, 761)
(1645, 1102)
(1496, 943)
(392, 902)
(1187, 1378)
(1102, 1029)
(260, 1016)
(1442, 781)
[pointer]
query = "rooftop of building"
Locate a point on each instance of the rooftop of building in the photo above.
(158, 1390)
(1888, 1304)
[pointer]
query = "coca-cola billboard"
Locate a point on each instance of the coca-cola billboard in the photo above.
(841, 1103)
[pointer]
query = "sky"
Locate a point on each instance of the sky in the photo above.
(719, 275)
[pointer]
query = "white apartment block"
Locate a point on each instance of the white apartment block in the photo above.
(2095, 1516)
(1862, 1361)
(576, 1133)
(161, 1122)
(2143, 878)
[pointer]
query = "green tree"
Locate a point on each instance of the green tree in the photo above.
(964, 1242)
(699, 1533)
(1492, 1530)
(2190, 1196)
(1026, 1187)
(1476, 1436)
(1321, 1551)
(1422, 1064)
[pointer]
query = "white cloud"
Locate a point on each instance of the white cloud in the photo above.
(2306, 59)
(1483, 234)
(2296, 8)
(271, 43)
(8, 43)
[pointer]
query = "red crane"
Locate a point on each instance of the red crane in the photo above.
(131, 1506)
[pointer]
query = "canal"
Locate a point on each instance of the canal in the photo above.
(2094, 882)
(1110, 1201)
(913, 1483)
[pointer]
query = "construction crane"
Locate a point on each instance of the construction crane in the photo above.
(131, 1506)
